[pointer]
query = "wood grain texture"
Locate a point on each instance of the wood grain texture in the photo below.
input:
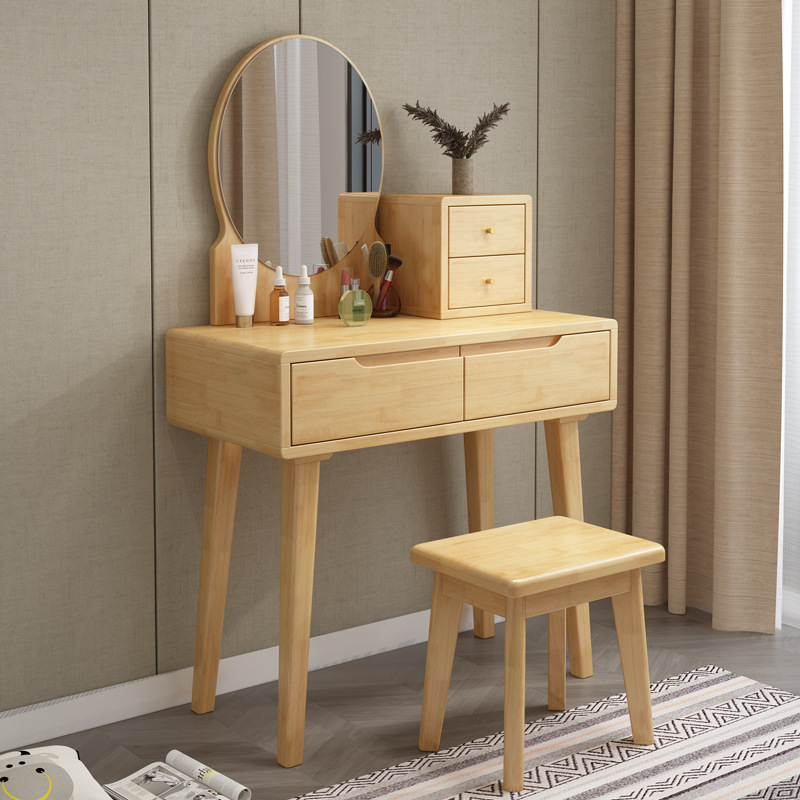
(445, 617)
(573, 370)
(557, 660)
(447, 248)
(403, 374)
(219, 510)
(514, 697)
(629, 621)
(479, 469)
(299, 490)
(563, 457)
(529, 557)
(348, 397)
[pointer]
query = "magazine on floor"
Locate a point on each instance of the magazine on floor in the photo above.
(178, 777)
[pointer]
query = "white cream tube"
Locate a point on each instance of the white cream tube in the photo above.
(244, 273)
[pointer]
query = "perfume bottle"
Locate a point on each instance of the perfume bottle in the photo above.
(355, 306)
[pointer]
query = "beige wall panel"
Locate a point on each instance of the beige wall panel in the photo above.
(76, 482)
(576, 192)
(193, 49)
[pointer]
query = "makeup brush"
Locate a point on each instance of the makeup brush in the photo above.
(331, 250)
(325, 256)
(393, 264)
(377, 264)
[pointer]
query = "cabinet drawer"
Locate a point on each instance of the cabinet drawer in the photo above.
(349, 397)
(536, 374)
(470, 228)
(469, 286)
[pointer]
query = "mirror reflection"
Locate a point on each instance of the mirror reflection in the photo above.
(292, 141)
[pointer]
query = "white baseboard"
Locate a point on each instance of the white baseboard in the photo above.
(20, 727)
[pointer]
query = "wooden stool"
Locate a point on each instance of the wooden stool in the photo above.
(520, 571)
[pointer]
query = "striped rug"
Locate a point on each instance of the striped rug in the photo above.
(717, 735)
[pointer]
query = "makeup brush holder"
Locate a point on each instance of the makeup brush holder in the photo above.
(390, 307)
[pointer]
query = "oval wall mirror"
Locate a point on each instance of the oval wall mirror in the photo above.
(295, 161)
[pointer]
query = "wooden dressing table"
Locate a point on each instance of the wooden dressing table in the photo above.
(280, 391)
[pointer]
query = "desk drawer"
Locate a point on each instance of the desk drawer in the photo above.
(349, 397)
(470, 227)
(534, 374)
(468, 284)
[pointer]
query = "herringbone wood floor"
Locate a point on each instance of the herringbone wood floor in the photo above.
(364, 715)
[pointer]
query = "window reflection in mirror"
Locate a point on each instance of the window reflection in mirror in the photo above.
(288, 150)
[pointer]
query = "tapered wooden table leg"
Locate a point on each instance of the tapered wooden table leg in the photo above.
(222, 484)
(564, 459)
(299, 492)
(479, 459)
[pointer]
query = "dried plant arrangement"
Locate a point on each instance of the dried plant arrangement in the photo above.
(456, 143)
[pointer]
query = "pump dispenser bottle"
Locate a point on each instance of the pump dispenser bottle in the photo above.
(303, 299)
(279, 300)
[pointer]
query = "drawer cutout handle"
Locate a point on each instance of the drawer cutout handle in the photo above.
(409, 357)
(497, 348)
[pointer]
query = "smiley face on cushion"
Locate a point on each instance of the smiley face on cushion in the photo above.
(27, 776)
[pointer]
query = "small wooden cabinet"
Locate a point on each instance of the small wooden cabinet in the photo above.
(463, 255)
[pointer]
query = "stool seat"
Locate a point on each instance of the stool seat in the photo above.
(519, 571)
(518, 560)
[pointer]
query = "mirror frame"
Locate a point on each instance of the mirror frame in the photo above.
(326, 284)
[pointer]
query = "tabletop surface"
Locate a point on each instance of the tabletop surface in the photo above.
(329, 337)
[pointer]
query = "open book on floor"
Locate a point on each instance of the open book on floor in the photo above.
(178, 777)
(55, 772)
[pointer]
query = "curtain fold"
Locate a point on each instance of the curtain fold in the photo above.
(698, 297)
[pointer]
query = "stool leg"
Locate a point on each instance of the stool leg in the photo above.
(629, 621)
(514, 701)
(557, 660)
(442, 635)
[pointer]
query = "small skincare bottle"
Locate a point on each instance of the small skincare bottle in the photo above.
(279, 300)
(355, 306)
(303, 299)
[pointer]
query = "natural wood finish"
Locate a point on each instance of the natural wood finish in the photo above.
(563, 458)
(629, 622)
(236, 384)
(526, 570)
(299, 489)
(223, 464)
(236, 387)
(557, 660)
(486, 281)
(479, 462)
(439, 235)
(443, 632)
(346, 397)
(469, 230)
(514, 697)
(325, 285)
(576, 367)
(531, 557)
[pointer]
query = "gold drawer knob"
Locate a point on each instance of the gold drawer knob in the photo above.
(490, 230)
(490, 281)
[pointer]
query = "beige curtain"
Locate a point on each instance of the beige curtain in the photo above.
(698, 296)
